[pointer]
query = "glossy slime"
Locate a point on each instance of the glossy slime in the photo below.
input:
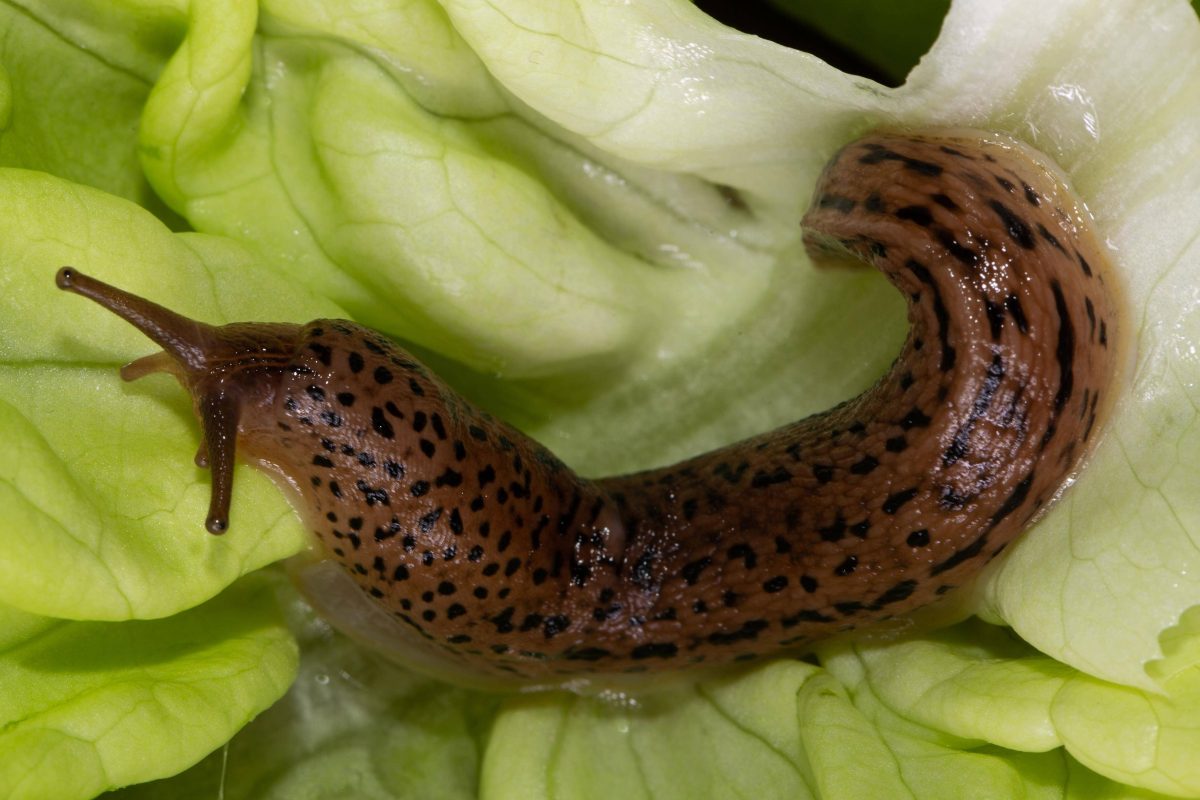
(482, 553)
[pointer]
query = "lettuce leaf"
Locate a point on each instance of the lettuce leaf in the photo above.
(786, 730)
(584, 215)
(352, 726)
(74, 78)
(87, 706)
(96, 474)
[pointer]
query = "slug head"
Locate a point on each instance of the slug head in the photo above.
(229, 370)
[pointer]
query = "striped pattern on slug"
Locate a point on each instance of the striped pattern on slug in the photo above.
(485, 550)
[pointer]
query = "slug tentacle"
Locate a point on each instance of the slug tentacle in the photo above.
(147, 365)
(222, 367)
(186, 340)
(219, 418)
(479, 552)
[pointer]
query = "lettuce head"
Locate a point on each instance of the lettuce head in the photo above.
(584, 215)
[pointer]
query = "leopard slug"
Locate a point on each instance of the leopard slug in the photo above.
(479, 552)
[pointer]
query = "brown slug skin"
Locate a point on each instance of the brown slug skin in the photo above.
(484, 549)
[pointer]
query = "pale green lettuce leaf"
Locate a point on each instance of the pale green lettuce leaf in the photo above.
(409, 262)
(974, 682)
(1134, 737)
(104, 507)
(620, 276)
(88, 706)
(724, 738)
(785, 729)
(74, 75)
(352, 726)
(979, 687)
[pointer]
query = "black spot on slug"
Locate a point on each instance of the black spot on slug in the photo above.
(1018, 231)
(896, 500)
(381, 425)
(776, 584)
(323, 353)
(918, 538)
(917, 214)
(864, 466)
(654, 650)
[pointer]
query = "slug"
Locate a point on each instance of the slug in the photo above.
(479, 553)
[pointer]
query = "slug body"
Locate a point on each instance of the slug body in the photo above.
(483, 552)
